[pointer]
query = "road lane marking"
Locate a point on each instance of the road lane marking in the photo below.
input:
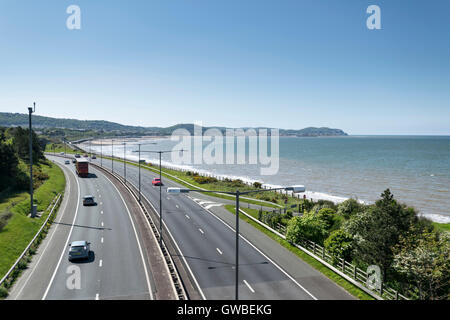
(251, 289)
(177, 206)
(176, 244)
(100, 264)
(262, 253)
(218, 250)
(187, 216)
(63, 210)
(67, 241)
(101, 203)
(101, 212)
(96, 296)
(201, 231)
(137, 240)
(102, 224)
(102, 240)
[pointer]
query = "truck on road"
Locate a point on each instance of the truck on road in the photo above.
(82, 167)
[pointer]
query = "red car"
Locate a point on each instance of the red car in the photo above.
(157, 182)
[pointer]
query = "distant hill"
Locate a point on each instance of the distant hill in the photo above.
(18, 119)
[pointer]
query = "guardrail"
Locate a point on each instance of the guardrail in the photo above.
(345, 269)
(55, 202)
(175, 277)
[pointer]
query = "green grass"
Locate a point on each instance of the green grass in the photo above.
(20, 228)
(348, 286)
(58, 147)
(442, 226)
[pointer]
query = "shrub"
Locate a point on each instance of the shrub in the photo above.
(340, 244)
(203, 180)
(349, 208)
(3, 292)
(307, 226)
(257, 185)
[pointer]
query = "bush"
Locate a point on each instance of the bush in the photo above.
(3, 292)
(257, 185)
(340, 244)
(349, 207)
(203, 180)
(308, 227)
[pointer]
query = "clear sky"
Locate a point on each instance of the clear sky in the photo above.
(286, 64)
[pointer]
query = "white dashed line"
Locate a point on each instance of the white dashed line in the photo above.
(96, 297)
(201, 231)
(102, 224)
(218, 250)
(101, 203)
(177, 206)
(187, 216)
(102, 240)
(251, 289)
(101, 262)
(101, 212)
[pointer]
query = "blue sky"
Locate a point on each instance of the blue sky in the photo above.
(286, 64)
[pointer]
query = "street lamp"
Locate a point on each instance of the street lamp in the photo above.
(139, 164)
(160, 186)
(32, 207)
(294, 189)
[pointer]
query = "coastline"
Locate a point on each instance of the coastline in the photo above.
(310, 194)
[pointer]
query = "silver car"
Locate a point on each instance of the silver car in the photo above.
(79, 250)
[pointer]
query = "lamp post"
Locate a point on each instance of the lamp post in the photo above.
(112, 155)
(139, 165)
(237, 194)
(30, 111)
(160, 186)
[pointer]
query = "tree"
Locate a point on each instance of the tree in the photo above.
(377, 229)
(21, 144)
(424, 259)
(349, 208)
(8, 165)
(340, 244)
(306, 227)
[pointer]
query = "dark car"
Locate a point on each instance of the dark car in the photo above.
(94, 157)
(89, 201)
(77, 155)
(79, 250)
(74, 160)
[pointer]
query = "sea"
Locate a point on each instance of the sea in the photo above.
(415, 168)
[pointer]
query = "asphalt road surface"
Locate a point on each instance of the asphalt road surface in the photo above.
(204, 233)
(116, 268)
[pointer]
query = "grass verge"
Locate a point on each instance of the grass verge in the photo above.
(348, 286)
(21, 229)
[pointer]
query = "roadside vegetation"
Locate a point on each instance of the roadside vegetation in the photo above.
(16, 227)
(412, 252)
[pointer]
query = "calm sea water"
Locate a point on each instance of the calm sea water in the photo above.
(415, 168)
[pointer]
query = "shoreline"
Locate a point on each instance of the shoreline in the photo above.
(313, 195)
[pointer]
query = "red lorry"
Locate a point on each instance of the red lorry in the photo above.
(82, 167)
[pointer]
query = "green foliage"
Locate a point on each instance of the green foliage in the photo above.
(340, 244)
(377, 229)
(203, 180)
(4, 217)
(424, 259)
(257, 185)
(306, 227)
(349, 208)
(20, 138)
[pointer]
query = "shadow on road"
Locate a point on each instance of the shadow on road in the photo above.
(80, 226)
(90, 259)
